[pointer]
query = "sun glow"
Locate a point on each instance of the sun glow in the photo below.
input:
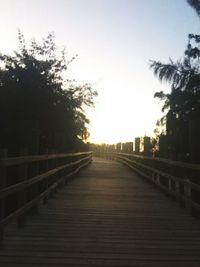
(121, 115)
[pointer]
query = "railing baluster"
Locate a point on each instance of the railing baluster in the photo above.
(22, 195)
(34, 190)
(46, 181)
(168, 175)
(3, 155)
(170, 185)
(177, 189)
(35, 184)
(51, 178)
(158, 179)
(187, 194)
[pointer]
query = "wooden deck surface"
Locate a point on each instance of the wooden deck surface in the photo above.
(107, 216)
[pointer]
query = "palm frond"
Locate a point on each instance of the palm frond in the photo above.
(195, 4)
(167, 72)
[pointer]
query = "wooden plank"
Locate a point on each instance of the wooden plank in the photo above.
(107, 216)
(22, 185)
(6, 220)
(185, 197)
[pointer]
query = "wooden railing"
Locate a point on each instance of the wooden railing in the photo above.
(178, 179)
(26, 181)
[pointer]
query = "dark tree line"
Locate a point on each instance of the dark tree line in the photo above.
(183, 102)
(39, 107)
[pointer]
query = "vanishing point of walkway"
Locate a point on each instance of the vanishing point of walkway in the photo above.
(107, 216)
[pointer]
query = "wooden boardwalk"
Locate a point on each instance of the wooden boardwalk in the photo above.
(107, 216)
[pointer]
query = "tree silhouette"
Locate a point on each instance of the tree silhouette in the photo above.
(34, 87)
(183, 102)
(195, 4)
(184, 77)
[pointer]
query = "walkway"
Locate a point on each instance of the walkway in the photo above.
(107, 216)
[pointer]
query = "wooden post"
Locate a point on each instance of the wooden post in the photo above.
(56, 176)
(3, 154)
(53, 178)
(35, 208)
(59, 177)
(22, 196)
(34, 190)
(187, 194)
(170, 186)
(177, 191)
(157, 179)
(153, 176)
(45, 169)
(28, 132)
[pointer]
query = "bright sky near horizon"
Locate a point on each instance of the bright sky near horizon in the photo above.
(114, 40)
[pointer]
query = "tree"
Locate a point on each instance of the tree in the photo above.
(34, 87)
(195, 4)
(183, 102)
(183, 76)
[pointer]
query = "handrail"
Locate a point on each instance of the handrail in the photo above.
(27, 183)
(30, 204)
(41, 185)
(28, 159)
(179, 179)
(167, 161)
(163, 174)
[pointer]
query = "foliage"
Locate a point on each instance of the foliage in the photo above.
(33, 86)
(184, 78)
(183, 102)
(195, 4)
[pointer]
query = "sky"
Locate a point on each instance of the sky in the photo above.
(115, 41)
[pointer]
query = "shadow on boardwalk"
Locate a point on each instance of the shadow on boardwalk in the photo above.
(107, 216)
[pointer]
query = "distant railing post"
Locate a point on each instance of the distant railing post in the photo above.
(187, 194)
(45, 169)
(22, 195)
(55, 176)
(170, 186)
(3, 154)
(153, 177)
(177, 191)
(157, 179)
(34, 189)
(52, 177)
(37, 176)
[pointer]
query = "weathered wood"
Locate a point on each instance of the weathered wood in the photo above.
(107, 216)
(27, 201)
(22, 185)
(187, 194)
(4, 222)
(34, 189)
(28, 159)
(3, 155)
(45, 166)
(164, 179)
(22, 195)
(168, 161)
